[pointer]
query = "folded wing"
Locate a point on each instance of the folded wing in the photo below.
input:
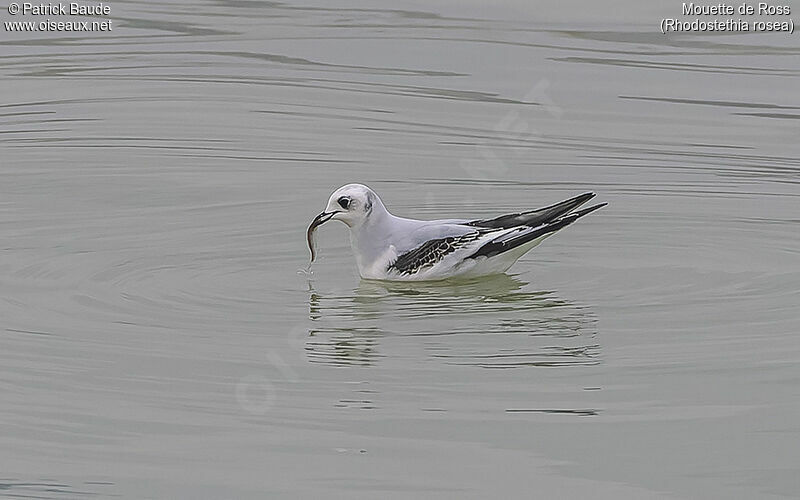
(525, 234)
(465, 240)
(433, 251)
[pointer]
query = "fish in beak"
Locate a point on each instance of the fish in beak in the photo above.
(318, 221)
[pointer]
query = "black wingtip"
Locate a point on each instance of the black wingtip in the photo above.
(585, 196)
(573, 203)
(581, 213)
(535, 218)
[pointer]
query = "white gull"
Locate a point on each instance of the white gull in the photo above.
(394, 248)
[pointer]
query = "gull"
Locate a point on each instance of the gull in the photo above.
(394, 248)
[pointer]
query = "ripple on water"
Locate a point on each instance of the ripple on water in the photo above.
(45, 488)
(489, 323)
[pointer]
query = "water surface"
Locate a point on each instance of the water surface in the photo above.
(158, 342)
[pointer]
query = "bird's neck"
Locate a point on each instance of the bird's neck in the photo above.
(370, 238)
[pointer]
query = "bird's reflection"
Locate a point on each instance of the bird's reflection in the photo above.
(498, 323)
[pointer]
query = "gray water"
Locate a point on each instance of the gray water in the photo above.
(157, 340)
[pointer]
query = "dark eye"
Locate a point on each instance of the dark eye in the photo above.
(344, 202)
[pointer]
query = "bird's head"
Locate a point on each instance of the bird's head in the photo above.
(351, 204)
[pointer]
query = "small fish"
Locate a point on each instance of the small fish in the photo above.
(312, 228)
